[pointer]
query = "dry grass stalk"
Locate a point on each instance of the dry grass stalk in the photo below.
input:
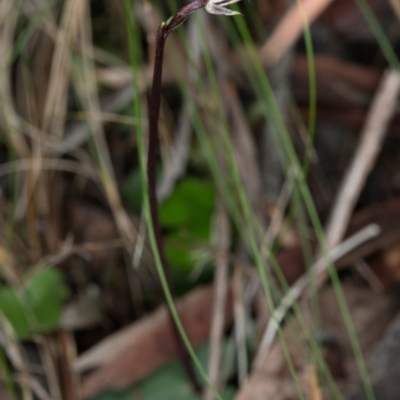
(290, 28)
(298, 288)
(221, 279)
(376, 126)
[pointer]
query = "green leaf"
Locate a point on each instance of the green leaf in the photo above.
(117, 395)
(190, 206)
(167, 383)
(13, 308)
(180, 248)
(187, 216)
(38, 308)
(45, 294)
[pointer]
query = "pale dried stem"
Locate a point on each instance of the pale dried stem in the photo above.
(396, 7)
(240, 323)
(372, 137)
(87, 88)
(245, 150)
(297, 289)
(221, 279)
(50, 164)
(57, 94)
(9, 342)
(69, 377)
(78, 132)
(8, 116)
(49, 366)
(290, 28)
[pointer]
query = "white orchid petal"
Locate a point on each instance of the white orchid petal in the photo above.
(219, 10)
(224, 3)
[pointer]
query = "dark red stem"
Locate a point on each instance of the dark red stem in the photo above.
(154, 112)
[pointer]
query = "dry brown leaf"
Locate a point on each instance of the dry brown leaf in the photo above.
(134, 352)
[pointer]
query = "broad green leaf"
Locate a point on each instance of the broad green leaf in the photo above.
(180, 250)
(187, 216)
(37, 309)
(45, 294)
(117, 395)
(167, 383)
(190, 206)
(13, 308)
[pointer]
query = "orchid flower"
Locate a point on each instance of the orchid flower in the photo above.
(218, 7)
(212, 6)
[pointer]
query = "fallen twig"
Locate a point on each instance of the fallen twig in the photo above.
(380, 115)
(301, 284)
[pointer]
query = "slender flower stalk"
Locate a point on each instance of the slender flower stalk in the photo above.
(213, 7)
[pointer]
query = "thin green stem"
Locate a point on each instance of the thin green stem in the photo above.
(149, 199)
